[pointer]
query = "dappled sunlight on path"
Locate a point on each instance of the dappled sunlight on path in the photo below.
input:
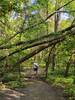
(34, 90)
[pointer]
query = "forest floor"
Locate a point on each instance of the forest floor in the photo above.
(35, 90)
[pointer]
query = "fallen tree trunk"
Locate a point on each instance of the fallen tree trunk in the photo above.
(50, 37)
(51, 41)
(62, 37)
(36, 51)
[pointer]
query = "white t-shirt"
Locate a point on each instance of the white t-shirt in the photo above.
(35, 65)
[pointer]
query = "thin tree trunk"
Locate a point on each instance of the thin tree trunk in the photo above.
(67, 69)
(68, 66)
(48, 61)
(57, 18)
(19, 65)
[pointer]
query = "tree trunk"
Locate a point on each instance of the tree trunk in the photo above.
(67, 69)
(68, 66)
(53, 61)
(48, 61)
(56, 25)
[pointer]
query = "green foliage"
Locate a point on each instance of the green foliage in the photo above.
(63, 81)
(10, 77)
(9, 5)
(57, 79)
(15, 84)
(20, 21)
(69, 92)
(12, 80)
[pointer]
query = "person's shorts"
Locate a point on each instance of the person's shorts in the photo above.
(35, 69)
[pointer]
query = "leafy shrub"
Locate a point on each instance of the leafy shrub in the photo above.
(69, 92)
(15, 84)
(10, 77)
(63, 81)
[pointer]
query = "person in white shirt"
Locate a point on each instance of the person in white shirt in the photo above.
(35, 67)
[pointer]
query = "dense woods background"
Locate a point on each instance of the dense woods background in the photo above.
(41, 31)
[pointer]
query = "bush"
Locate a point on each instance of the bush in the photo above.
(15, 84)
(10, 77)
(69, 92)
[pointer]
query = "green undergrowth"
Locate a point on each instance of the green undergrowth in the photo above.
(15, 84)
(12, 80)
(67, 83)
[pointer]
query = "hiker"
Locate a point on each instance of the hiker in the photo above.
(35, 67)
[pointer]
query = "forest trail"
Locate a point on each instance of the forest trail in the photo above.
(34, 90)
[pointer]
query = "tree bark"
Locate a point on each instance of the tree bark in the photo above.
(48, 61)
(56, 26)
(68, 66)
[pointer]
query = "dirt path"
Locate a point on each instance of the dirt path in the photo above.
(35, 90)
